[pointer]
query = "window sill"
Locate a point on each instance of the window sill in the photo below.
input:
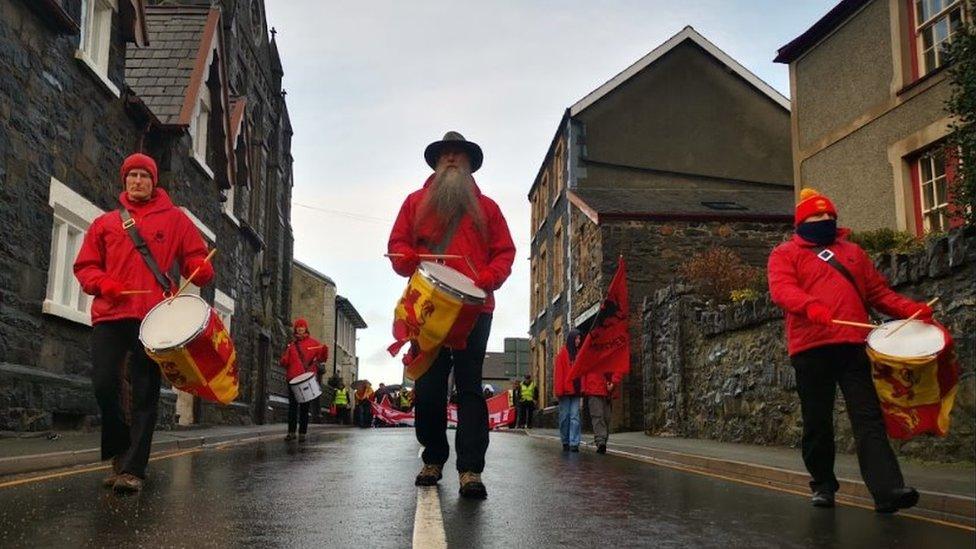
(202, 165)
(230, 217)
(932, 76)
(67, 313)
(102, 79)
(556, 299)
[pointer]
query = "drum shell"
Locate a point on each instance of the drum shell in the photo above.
(305, 390)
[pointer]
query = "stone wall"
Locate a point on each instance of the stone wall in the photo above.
(724, 374)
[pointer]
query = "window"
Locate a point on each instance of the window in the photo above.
(558, 273)
(932, 191)
(199, 128)
(72, 216)
(534, 294)
(543, 199)
(543, 278)
(224, 306)
(558, 170)
(96, 38)
(228, 206)
(936, 22)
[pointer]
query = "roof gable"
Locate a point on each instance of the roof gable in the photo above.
(688, 33)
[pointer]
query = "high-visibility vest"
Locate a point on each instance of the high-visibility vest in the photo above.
(404, 401)
(528, 391)
(341, 398)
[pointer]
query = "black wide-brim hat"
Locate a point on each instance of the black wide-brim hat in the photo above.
(433, 151)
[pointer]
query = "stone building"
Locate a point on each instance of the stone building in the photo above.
(84, 84)
(683, 150)
(869, 131)
(345, 362)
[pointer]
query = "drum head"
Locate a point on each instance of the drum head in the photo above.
(916, 340)
(173, 324)
(301, 378)
(452, 279)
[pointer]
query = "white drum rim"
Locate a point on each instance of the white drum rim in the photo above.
(431, 277)
(164, 303)
(879, 333)
(301, 378)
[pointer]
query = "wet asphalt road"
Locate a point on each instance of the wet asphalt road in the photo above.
(355, 488)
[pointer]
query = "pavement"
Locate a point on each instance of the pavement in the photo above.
(351, 488)
(948, 490)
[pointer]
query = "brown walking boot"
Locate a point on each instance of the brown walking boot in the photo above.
(109, 481)
(128, 483)
(471, 486)
(429, 475)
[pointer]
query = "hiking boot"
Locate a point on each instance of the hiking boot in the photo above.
(289, 437)
(823, 498)
(574, 449)
(109, 481)
(429, 475)
(902, 498)
(601, 449)
(128, 483)
(471, 486)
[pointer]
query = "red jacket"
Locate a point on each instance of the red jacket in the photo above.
(596, 384)
(292, 362)
(797, 277)
(561, 384)
(494, 252)
(108, 251)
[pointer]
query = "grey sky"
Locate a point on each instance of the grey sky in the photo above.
(371, 83)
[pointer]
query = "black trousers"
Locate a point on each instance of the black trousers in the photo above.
(430, 405)
(342, 415)
(297, 413)
(525, 411)
(818, 372)
(115, 347)
(364, 415)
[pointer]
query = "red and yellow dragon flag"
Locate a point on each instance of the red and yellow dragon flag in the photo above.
(916, 395)
(606, 348)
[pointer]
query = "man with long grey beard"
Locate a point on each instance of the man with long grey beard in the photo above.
(450, 216)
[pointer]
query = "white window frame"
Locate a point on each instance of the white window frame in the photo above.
(929, 25)
(95, 41)
(73, 213)
(228, 206)
(224, 305)
(938, 208)
(201, 226)
(199, 128)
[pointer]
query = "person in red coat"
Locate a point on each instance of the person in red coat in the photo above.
(598, 390)
(806, 282)
(107, 265)
(451, 216)
(304, 354)
(568, 392)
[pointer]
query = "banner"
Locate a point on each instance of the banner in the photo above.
(500, 413)
(606, 348)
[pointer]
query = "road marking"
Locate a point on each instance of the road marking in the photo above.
(841, 501)
(71, 472)
(428, 523)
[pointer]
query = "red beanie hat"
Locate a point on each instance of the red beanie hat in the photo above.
(139, 160)
(300, 323)
(812, 203)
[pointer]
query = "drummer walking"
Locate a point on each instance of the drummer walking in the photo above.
(109, 266)
(304, 354)
(451, 216)
(816, 277)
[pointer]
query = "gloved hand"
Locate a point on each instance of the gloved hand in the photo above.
(204, 275)
(486, 280)
(110, 289)
(409, 262)
(926, 311)
(819, 313)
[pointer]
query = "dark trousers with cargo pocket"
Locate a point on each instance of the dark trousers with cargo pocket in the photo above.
(128, 420)
(430, 406)
(818, 373)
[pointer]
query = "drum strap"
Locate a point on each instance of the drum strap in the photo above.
(301, 353)
(830, 258)
(448, 236)
(129, 225)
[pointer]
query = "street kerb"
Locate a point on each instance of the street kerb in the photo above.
(952, 508)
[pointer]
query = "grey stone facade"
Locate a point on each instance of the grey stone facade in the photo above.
(62, 121)
(724, 374)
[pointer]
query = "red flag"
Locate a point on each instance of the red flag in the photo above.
(606, 348)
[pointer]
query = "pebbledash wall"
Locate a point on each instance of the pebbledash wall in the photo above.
(724, 374)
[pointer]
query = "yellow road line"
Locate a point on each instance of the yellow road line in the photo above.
(843, 501)
(71, 472)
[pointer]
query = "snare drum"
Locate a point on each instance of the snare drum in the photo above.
(439, 308)
(193, 349)
(908, 369)
(305, 387)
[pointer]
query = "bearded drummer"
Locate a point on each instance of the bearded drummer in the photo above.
(817, 277)
(450, 216)
(304, 354)
(110, 267)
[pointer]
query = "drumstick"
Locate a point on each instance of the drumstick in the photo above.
(429, 256)
(193, 274)
(857, 324)
(911, 318)
(131, 292)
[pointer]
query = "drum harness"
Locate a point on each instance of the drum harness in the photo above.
(129, 225)
(829, 257)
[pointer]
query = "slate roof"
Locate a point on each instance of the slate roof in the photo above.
(824, 26)
(160, 73)
(703, 203)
